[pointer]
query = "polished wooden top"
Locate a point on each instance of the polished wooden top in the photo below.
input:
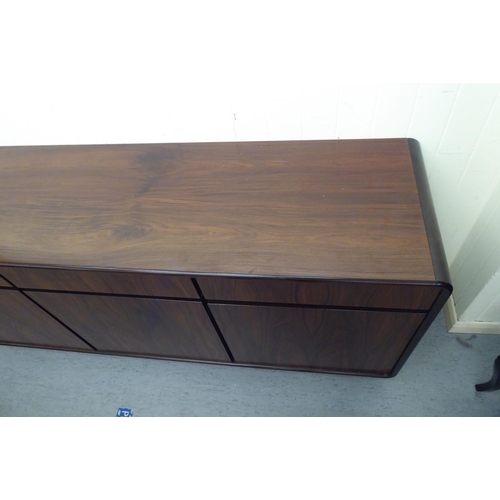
(328, 209)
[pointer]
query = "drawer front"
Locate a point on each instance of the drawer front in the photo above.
(133, 325)
(22, 322)
(364, 342)
(157, 285)
(319, 293)
(4, 283)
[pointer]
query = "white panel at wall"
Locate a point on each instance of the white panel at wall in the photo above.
(489, 295)
(430, 116)
(319, 111)
(394, 109)
(482, 173)
(471, 116)
(283, 104)
(471, 109)
(465, 260)
(473, 272)
(356, 110)
(203, 117)
(482, 304)
(479, 262)
(484, 271)
(248, 112)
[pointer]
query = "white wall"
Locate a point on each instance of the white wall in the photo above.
(224, 71)
(476, 269)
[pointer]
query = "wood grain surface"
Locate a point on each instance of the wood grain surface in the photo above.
(159, 285)
(152, 327)
(329, 209)
(22, 322)
(4, 283)
(326, 339)
(322, 293)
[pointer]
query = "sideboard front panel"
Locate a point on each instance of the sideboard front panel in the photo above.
(155, 327)
(22, 322)
(4, 283)
(314, 338)
(152, 284)
(319, 293)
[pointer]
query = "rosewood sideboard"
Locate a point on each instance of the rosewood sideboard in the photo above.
(305, 255)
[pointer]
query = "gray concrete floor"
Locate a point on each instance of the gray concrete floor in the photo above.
(437, 380)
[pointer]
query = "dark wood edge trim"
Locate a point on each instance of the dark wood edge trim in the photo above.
(202, 361)
(182, 274)
(436, 247)
(187, 144)
(5, 343)
(440, 301)
(313, 306)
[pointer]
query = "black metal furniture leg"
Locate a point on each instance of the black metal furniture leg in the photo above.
(494, 383)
